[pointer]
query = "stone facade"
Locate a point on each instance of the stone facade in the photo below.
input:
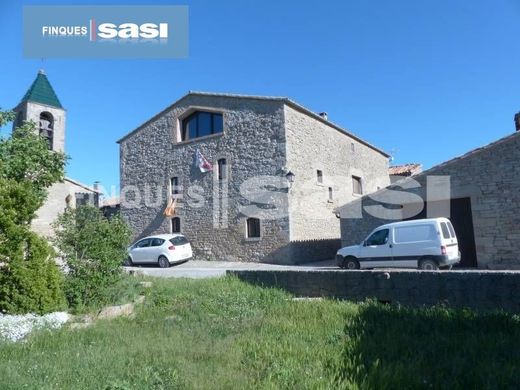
(314, 145)
(261, 137)
(30, 111)
(60, 196)
(489, 177)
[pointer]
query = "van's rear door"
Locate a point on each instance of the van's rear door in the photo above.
(449, 240)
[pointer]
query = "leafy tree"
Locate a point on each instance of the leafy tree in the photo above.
(30, 280)
(26, 159)
(93, 248)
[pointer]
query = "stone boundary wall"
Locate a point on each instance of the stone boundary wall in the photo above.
(478, 290)
(305, 251)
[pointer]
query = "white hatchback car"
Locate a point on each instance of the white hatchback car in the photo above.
(162, 249)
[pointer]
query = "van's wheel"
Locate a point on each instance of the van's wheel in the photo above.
(350, 263)
(128, 262)
(163, 262)
(428, 265)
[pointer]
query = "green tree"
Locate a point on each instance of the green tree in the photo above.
(30, 280)
(93, 248)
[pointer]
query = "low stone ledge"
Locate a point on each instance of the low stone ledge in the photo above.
(475, 289)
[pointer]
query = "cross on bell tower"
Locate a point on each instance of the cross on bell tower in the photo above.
(41, 105)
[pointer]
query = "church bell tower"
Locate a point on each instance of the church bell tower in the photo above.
(41, 105)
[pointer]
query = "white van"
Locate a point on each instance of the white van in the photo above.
(422, 243)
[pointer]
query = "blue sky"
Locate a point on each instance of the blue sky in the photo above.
(424, 80)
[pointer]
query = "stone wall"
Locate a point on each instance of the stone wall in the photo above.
(56, 204)
(31, 111)
(316, 145)
(253, 142)
(479, 290)
(304, 251)
(489, 177)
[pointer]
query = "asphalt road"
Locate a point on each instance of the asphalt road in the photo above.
(197, 269)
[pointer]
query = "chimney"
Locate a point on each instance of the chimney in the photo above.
(517, 121)
(324, 115)
(96, 185)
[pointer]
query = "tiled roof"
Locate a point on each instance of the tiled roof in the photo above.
(405, 169)
(111, 202)
(41, 91)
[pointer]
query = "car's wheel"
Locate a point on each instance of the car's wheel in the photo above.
(163, 262)
(428, 265)
(350, 263)
(128, 262)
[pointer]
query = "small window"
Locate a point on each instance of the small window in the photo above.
(378, 238)
(253, 228)
(319, 176)
(157, 242)
(174, 185)
(331, 194)
(445, 230)
(356, 185)
(222, 169)
(352, 147)
(179, 240)
(176, 225)
(201, 124)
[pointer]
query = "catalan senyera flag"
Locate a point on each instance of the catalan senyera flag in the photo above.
(201, 162)
(170, 211)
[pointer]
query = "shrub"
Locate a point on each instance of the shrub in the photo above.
(93, 249)
(30, 279)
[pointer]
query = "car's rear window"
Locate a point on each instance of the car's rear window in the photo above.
(445, 230)
(452, 231)
(179, 240)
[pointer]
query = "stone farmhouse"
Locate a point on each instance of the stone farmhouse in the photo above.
(41, 105)
(483, 203)
(251, 178)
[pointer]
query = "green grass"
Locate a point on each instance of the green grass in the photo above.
(222, 333)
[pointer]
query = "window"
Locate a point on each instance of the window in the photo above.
(143, 243)
(179, 240)
(253, 228)
(378, 238)
(47, 128)
(157, 242)
(352, 147)
(222, 169)
(356, 185)
(331, 196)
(445, 230)
(174, 185)
(414, 233)
(452, 231)
(201, 124)
(176, 225)
(319, 176)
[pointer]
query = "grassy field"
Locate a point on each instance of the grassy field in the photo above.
(222, 333)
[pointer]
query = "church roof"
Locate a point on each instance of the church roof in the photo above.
(41, 91)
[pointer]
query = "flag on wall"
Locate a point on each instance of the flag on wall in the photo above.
(169, 211)
(201, 162)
